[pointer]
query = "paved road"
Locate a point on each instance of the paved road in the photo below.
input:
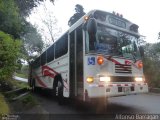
(132, 104)
(20, 79)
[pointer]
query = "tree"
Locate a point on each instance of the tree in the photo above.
(50, 25)
(10, 21)
(9, 52)
(152, 63)
(47, 24)
(32, 40)
(79, 13)
(26, 6)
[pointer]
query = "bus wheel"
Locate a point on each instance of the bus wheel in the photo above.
(60, 93)
(34, 88)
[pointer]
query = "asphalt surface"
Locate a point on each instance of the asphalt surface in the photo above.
(141, 104)
(20, 79)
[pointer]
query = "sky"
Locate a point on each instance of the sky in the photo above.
(144, 13)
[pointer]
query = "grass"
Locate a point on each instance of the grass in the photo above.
(4, 108)
(29, 101)
(19, 84)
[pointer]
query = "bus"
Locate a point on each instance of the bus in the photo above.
(99, 56)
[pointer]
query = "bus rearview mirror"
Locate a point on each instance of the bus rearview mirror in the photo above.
(92, 26)
(141, 50)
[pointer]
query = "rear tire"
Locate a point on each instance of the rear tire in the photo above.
(60, 93)
(33, 85)
(34, 88)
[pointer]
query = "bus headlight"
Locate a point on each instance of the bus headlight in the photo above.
(138, 79)
(105, 79)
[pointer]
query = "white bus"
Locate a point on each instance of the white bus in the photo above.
(98, 57)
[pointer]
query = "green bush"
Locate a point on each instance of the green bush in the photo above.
(9, 51)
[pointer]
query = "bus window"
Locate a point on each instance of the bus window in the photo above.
(50, 53)
(37, 63)
(43, 58)
(61, 47)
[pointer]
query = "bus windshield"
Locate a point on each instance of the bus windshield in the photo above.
(112, 42)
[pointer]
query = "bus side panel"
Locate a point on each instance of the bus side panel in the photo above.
(61, 66)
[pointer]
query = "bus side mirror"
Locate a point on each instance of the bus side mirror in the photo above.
(141, 50)
(92, 26)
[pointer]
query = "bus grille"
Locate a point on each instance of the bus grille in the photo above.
(120, 68)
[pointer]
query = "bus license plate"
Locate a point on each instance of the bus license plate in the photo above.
(126, 89)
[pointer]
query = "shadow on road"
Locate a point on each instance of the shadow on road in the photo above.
(50, 104)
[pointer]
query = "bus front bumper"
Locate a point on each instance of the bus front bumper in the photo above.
(96, 91)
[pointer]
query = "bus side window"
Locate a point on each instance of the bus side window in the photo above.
(61, 46)
(43, 58)
(50, 54)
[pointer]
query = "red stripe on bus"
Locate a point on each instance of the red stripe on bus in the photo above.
(115, 61)
(110, 85)
(48, 68)
(46, 72)
(40, 82)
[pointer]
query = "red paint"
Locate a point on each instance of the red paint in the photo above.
(127, 62)
(47, 71)
(40, 82)
(110, 85)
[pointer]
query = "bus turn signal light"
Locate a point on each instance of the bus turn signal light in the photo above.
(140, 65)
(90, 79)
(100, 60)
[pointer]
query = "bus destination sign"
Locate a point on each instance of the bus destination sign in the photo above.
(117, 22)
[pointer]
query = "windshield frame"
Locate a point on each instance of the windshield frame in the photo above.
(134, 55)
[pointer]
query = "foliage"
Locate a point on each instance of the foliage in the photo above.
(32, 40)
(26, 6)
(79, 13)
(10, 21)
(152, 64)
(9, 51)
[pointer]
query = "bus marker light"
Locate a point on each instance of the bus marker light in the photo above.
(100, 60)
(86, 18)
